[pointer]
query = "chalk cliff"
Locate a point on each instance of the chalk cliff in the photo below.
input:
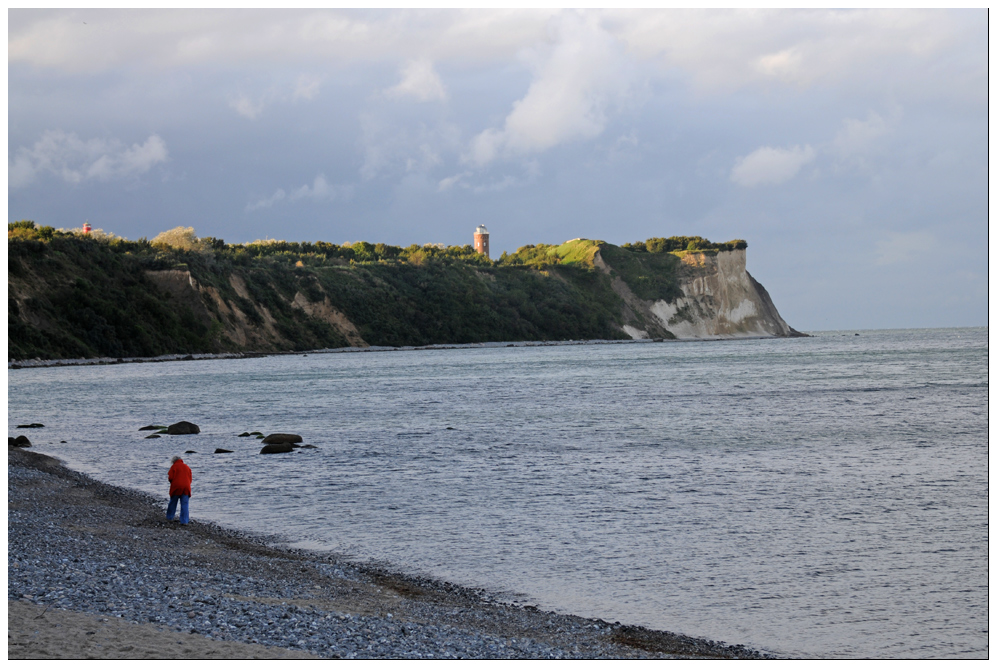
(74, 296)
(719, 299)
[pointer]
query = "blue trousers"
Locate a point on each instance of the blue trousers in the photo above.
(185, 514)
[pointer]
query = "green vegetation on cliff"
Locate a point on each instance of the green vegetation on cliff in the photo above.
(75, 295)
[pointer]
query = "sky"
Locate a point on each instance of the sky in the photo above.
(849, 148)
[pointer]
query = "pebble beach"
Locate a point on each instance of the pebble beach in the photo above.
(96, 571)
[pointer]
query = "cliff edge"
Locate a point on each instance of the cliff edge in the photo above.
(719, 299)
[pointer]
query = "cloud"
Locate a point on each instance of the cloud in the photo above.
(267, 202)
(498, 186)
(858, 137)
(306, 87)
(246, 107)
(393, 141)
(449, 182)
(322, 190)
(725, 50)
(786, 65)
(319, 190)
(902, 247)
(575, 83)
(75, 160)
(713, 50)
(769, 166)
(420, 81)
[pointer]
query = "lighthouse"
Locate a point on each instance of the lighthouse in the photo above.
(482, 240)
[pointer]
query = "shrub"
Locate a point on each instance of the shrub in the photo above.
(180, 238)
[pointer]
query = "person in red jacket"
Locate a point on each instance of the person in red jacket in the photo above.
(180, 490)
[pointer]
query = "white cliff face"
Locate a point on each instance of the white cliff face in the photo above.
(720, 300)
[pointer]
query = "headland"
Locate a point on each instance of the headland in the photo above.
(77, 296)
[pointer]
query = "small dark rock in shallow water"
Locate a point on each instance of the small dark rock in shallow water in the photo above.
(245, 434)
(153, 436)
(281, 438)
(21, 441)
(152, 427)
(309, 446)
(183, 427)
(189, 452)
(276, 448)
(222, 450)
(30, 425)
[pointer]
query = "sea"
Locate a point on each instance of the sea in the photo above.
(820, 497)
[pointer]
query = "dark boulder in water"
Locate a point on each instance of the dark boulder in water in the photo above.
(309, 446)
(153, 436)
(189, 452)
(277, 448)
(245, 434)
(152, 427)
(30, 425)
(20, 441)
(222, 450)
(281, 438)
(183, 427)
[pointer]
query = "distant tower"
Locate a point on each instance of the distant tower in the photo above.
(86, 228)
(482, 240)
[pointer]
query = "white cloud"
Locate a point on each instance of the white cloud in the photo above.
(267, 202)
(319, 190)
(575, 82)
(722, 50)
(711, 49)
(786, 65)
(393, 142)
(306, 88)
(246, 107)
(420, 81)
(449, 182)
(858, 137)
(768, 165)
(322, 190)
(75, 160)
(498, 186)
(902, 247)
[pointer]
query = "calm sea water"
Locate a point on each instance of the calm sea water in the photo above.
(821, 497)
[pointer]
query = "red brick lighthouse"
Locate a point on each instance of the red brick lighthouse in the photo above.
(482, 240)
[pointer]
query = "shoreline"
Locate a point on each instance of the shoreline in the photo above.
(174, 357)
(90, 561)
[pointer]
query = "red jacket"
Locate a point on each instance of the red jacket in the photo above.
(180, 479)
